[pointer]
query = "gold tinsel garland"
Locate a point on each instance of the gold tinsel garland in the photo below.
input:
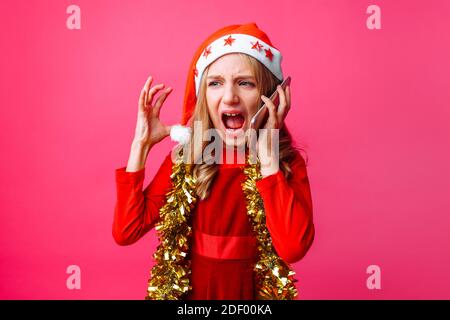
(171, 274)
(275, 280)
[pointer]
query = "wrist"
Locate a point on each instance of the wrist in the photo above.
(139, 145)
(268, 166)
(267, 170)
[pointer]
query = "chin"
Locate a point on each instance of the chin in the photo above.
(235, 138)
(236, 144)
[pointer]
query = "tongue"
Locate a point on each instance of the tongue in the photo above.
(234, 122)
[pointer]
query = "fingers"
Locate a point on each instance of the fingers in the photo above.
(149, 93)
(144, 92)
(142, 98)
(148, 83)
(160, 101)
(288, 95)
(284, 105)
(146, 88)
(272, 120)
(152, 93)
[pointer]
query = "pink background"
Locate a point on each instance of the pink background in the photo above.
(371, 107)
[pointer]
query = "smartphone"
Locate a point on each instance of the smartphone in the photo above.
(260, 118)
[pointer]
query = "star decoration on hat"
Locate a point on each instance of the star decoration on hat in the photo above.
(195, 72)
(207, 52)
(269, 54)
(228, 41)
(256, 46)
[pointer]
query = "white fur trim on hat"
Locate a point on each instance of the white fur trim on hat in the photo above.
(180, 134)
(255, 47)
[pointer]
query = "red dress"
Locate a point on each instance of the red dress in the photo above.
(224, 249)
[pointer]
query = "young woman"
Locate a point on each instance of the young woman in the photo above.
(227, 230)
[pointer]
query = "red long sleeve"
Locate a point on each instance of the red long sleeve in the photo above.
(136, 211)
(288, 207)
(223, 250)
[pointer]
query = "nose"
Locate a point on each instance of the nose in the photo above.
(229, 96)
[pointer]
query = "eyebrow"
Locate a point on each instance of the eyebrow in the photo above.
(239, 76)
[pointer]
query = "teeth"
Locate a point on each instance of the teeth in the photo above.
(231, 114)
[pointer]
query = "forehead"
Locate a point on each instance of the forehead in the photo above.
(230, 64)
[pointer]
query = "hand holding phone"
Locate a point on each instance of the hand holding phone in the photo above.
(260, 118)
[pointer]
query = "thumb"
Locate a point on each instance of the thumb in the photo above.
(168, 128)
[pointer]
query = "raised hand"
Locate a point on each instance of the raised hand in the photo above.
(149, 128)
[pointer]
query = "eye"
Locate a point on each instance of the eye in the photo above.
(248, 83)
(211, 84)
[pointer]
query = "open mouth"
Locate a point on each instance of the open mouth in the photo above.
(233, 120)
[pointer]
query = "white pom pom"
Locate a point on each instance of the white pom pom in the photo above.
(180, 134)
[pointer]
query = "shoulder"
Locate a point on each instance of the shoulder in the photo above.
(296, 159)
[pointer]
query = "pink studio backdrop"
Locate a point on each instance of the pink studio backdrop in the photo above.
(371, 108)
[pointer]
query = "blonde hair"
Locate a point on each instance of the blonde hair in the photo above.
(206, 172)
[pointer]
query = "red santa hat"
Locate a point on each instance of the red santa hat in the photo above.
(245, 38)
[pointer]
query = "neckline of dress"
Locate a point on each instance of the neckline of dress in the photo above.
(231, 165)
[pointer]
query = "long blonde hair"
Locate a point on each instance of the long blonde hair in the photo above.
(206, 172)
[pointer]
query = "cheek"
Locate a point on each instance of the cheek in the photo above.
(212, 99)
(252, 104)
(213, 110)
